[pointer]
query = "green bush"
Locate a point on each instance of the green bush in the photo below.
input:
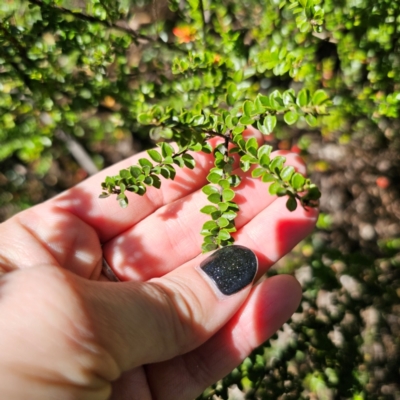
(305, 73)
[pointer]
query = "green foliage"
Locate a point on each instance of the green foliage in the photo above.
(192, 128)
(293, 69)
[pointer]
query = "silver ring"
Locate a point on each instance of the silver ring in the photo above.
(108, 272)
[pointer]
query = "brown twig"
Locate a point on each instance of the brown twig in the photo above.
(138, 37)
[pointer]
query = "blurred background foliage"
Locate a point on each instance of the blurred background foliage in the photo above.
(77, 78)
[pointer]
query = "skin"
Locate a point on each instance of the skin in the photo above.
(66, 332)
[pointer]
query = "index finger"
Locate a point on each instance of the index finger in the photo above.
(108, 218)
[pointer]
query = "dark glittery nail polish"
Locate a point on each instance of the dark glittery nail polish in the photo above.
(231, 268)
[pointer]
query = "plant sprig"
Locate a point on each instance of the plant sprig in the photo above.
(191, 131)
(147, 172)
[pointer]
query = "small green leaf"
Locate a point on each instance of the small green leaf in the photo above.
(166, 149)
(262, 128)
(311, 120)
(303, 98)
(209, 238)
(257, 172)
(287, 173)
(228, 122)
(145, 119)
(293, 5)
(179, 161)
(196, 146)
(206, 148)
(206, 247)
(110, 180)
(319, 97)
(238, 130)
(238, 76)
(230, 100)
(248, 108)
(313, 193)
(298, 181)
(141, 190)
(148, 180)
(122, 200)
(234, 180)
(222, 222)
(224, 183)
(214, 177)
(228, 194)
(123, 203)
(125, 174)
(231, 95)
(252, 146)
(210, 225)
(274, 188)
(224, 235)
(277, 163)
(209, 189)
(172, 171)
(165, 172)
(168, 160)
(223, 206)
(146, 169)
(264, 100)
(245, 164)
(230, 215)
(288, 97)
(264, 149)
(270, 122)
(154, 155)
(291, 117)
(208, 209)
(233, 205)
(145, 162)
(234, 150)
(215, 215)
(232, 89)
(267, 178)
(166, 133)
(205, 232)
(188, 161)
(214, 198)
(133, 188)
(259, 108)
(245, 120)
(264, 161)
(198, 120)
(291, 204)
(156, 181)
(275, 98)
(230, 228)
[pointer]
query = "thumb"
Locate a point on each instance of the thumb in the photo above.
(141, 323)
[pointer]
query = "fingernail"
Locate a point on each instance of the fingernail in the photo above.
(231, 268)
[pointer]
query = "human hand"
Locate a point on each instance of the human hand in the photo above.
(165, 332)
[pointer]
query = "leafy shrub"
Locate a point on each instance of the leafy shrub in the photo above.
(95, 72)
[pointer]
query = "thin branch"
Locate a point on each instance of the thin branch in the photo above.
(108, 24)
(203, 19)
(78, 152)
